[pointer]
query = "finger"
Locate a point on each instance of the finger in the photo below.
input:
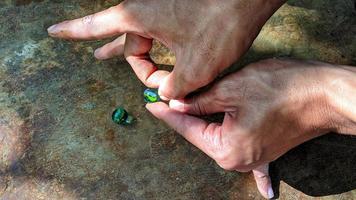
(202, 104)
(206, 137)
(112, 49)
(107, 23)
(136, 53)
(177, 86)
(215, 100)
(186, 77)
(263, 181)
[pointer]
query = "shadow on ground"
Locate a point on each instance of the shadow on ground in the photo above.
(323, 166)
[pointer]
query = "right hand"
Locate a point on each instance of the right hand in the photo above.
(270, 107)
(206, 36)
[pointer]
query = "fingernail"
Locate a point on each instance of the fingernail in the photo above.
(162, 96)
(149, 107)
(96, 53)
(270, 192)
(176, 105)
(51, 29)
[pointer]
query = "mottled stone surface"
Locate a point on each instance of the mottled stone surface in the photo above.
(57, 140)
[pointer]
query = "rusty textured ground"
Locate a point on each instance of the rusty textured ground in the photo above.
(57, 140)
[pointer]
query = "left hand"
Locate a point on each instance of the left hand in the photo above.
(270, 107)
(205, 36)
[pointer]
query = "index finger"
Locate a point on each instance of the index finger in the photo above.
(107, 23)
(207, 137)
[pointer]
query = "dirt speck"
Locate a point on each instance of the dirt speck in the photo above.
(110, 135)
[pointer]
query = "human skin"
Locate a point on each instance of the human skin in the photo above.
(206, 37)
(270, 107)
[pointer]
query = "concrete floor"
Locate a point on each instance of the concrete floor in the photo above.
(57, 140)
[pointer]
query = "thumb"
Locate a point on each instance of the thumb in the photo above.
(176, 86)
(201, 104)
(263, 181)
(186, 77)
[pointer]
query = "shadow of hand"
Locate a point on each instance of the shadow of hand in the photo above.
(320, 167)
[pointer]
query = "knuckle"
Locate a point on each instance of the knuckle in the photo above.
(242, 164)
(172, 93)
(241, 161)
(199, 107)
(181, 85)
(225, 159)
(234, 164)
(88, 20)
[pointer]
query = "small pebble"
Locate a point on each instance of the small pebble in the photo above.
(89, 106)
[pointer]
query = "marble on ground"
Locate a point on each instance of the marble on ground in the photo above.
(57, 140)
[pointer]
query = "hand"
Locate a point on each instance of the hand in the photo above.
(206, 36)
(270, 107)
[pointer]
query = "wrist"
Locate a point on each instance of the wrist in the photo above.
(341, 94)
(252, 15)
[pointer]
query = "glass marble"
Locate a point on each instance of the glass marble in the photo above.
(120, 116)
(151, 95)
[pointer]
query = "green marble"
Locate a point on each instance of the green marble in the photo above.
(151, 95)
(120, 116)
